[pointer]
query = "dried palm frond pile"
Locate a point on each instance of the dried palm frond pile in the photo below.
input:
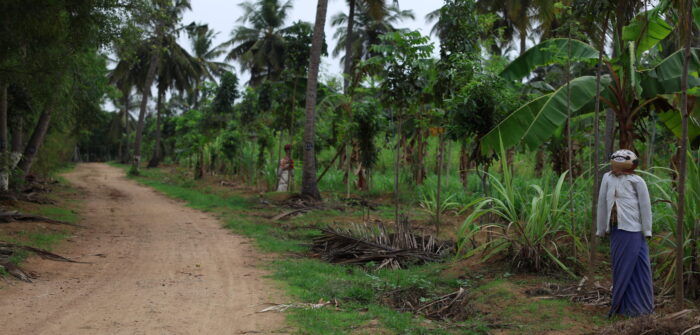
(685, 322)
(590, 294)
(453, 307)
(7, 250)
(371, 242)
(593, 294)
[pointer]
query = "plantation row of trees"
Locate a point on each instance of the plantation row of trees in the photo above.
(503, 119)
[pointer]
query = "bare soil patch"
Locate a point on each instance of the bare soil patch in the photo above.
(155, 267)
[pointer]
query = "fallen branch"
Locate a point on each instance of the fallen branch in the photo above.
(283, 307)
(287, 214)
(16, 272)
(8, 217)
(9, 248)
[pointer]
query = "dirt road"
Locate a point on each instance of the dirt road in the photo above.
(157, 267)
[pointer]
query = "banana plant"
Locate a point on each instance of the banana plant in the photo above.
(629, 90)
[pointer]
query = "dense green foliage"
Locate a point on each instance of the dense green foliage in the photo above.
(497, 127)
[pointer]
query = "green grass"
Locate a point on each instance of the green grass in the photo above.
(308, 280)
(58, 213)
(64, 210)
(358, 290)
(41, 240)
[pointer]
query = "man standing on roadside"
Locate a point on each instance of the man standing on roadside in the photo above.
(286, 170)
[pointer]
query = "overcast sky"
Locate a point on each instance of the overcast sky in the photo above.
(221, 15)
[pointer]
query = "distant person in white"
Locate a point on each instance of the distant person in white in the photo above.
(624, 211)
(285, 170)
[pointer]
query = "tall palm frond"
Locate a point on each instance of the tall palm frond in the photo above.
(368, 28)
(258, 44)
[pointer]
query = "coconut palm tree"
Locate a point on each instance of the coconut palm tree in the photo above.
(168, 14)
(376, 9)
(370, 22)
(179, 70)
(259, 46)
(202, 39)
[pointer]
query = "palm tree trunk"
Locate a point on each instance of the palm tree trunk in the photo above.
(348, 47)
(4, 159)
(35, 141)
(150, 76)
(124, 141)
(196, 94)
(309, 188)
(523, 41)
(155, 159)
(596, 155)
(685, 32)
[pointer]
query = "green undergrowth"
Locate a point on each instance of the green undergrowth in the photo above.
(359, 291)
(64, 208)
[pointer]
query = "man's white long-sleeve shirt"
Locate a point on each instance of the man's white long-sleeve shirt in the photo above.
(631, 195)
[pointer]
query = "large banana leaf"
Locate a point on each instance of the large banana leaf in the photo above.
(672, 120)
(548, 52)
(696, 16)
(665, 78)
(646, 30)
(535, 122)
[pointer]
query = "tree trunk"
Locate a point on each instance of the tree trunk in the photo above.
(418, 158)
(685, 33)
(309, 188)
(627, 136)
(539, 162)
(150, 76)
(348, 166)
(596, 156)
(17, 137)
(4, 157)
(397, 160)
(347, 71)
(609, 131)
(156, 157)
(196, 94)
(650, 145)
(464, 165)
(35, 142)
(441, 153)
(125, 137)
(448, 159)
(199, 165)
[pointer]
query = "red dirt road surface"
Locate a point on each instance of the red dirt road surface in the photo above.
(156, 267)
